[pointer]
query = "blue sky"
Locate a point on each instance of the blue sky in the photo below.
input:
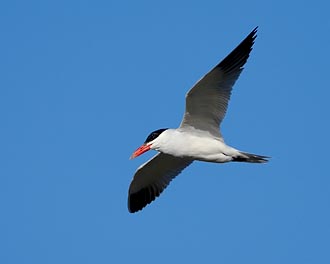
(84, 82)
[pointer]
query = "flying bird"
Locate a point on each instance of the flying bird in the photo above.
(198, 136)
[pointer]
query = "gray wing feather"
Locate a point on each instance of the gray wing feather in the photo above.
(207, 101)
(152, 178)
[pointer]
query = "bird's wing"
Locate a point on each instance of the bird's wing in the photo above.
(207, 101)
(152, 177)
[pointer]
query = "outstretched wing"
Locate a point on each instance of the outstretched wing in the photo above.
(152, 177)
(207, 101)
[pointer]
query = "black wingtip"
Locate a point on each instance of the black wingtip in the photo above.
(253, 33)
(253, 158)
(138, 200)
(238, 57)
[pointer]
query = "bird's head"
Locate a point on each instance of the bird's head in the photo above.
(148, 143)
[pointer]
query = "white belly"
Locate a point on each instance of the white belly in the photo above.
(197, 146)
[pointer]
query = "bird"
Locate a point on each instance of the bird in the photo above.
(198, 138)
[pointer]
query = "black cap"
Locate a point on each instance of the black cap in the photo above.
(153, 135)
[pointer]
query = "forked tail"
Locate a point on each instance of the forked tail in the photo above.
(253, 158)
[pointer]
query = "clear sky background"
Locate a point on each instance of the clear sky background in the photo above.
(83, 83)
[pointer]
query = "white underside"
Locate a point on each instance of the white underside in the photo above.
(194, 144)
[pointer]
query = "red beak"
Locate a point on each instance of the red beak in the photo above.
(140, 151)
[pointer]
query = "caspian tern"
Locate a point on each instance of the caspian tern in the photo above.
(198, 136)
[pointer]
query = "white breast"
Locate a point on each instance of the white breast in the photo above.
(193, 144)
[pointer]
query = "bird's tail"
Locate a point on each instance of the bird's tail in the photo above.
(253, 158)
